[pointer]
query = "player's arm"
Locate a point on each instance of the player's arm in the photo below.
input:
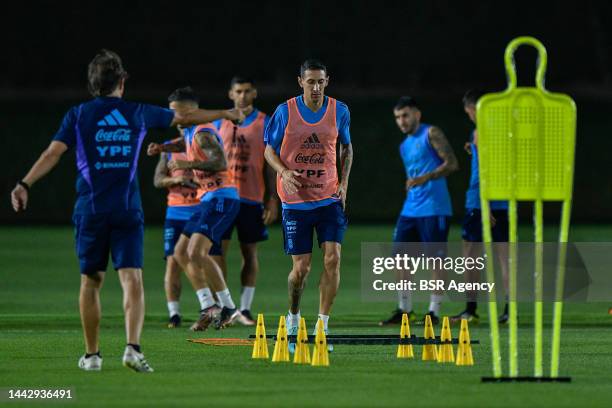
(288, 177)
(270, 213)
(188, 117)
(440, 144)
(45, 163)
(346, 162)
(174, 146)
(213, 150)
(162, 179)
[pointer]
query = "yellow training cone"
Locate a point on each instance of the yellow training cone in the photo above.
(429, 350)
(302, 352)
(320, 355)
(464, 351)
(281, 347)
(446, 353)
(260, 348)
(405, 350)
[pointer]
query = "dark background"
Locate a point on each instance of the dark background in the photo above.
(375, 52)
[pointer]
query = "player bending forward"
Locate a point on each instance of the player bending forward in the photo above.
(301, 146)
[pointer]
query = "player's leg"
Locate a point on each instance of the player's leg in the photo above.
(499, 232)
(251, 230)
(220, 257)
(471, 232)
(126, 242)
(92, 235)
(405, 231)
(172, 276)
(433, 232)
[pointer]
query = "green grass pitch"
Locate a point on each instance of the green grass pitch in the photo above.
(41, 340)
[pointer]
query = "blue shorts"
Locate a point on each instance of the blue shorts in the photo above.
(433, 229)
(298, 225)
(120, 233)
(214, 218)
(471, 230)
(172, 231)
(249, 224)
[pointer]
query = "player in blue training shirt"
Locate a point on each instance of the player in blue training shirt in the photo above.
(471, 231)
(428, 158)
(107, 134)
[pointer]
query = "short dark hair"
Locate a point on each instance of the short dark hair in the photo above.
(472, 96)
(238, 79)
(104, 73)
(185, 94)
(406, 102)
(312, 65)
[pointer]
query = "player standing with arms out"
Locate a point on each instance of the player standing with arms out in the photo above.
(301, 138)
(183, 202)
(244, 148)
(107, 133)
(472, 223)
(428, 158)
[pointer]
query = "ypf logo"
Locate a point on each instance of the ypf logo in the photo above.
(312, 142)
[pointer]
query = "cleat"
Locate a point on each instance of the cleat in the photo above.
(434, 319)
(91, 363)
(471, 317)
(291, 331)
(174, 322)
(207, 316)
(246, 318)
(227, 317)
(503, 319)
(136, 361)
(396, 318)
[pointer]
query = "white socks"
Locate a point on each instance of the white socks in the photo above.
(434, 304)
(294, 319)
(226, 299)
(246, 298)
(173, 308)
(325, 319)
(205, 297)
(405, 300)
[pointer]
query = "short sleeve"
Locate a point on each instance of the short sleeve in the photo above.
(344, 123)
(157, 117)
(218, 123)
(275, 129)
(67, 131)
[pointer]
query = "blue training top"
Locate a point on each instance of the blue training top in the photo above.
(419, 157)
(472, 195)
(108, 133)
(275, 131)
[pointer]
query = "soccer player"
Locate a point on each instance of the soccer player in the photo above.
(428, 159)
(182, 204)
(107, 133)
(301, 138)
(219, 206)
(472, 223)
(244, 147)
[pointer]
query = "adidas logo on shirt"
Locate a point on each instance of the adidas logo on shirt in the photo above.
(115, 118)
(312, 142)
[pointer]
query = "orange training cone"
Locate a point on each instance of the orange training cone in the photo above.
(464, 351)
(405, 350)
(260, 348)
(320, 355)
(446, 353)
(429, 350)
(281, 347)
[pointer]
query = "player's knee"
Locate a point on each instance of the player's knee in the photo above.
(131, 280)
(92, 281)
(331, 261)
(180, 255)
(300, 270)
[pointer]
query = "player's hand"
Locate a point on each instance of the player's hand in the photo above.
(341, 194)
(417, 181)
(179, 165)
(19, 198)
(154, 149)
(468, 147)
(235, 115)
(270, 212)
(290, 182)
(181, 180)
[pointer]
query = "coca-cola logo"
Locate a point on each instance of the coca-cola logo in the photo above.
(315, 158)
